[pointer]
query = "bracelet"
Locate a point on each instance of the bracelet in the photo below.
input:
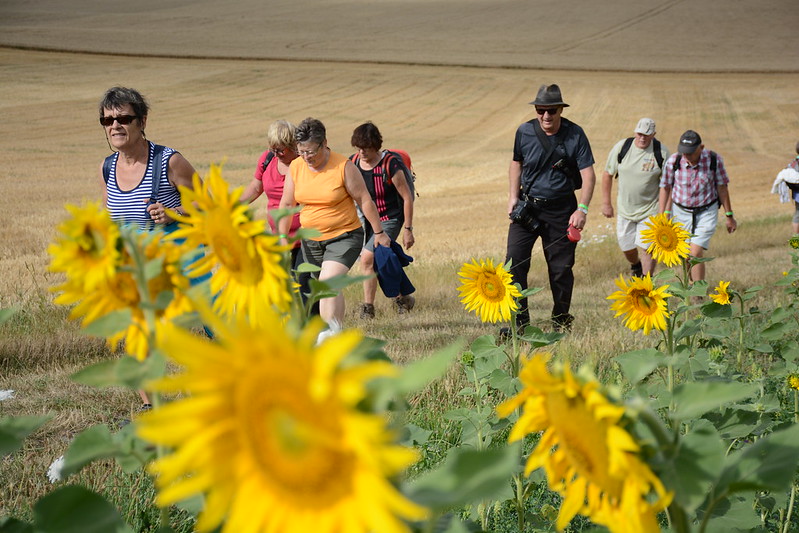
(409, 228)
(583, 206)
(379, 232)
(667, 212)
(728, 213)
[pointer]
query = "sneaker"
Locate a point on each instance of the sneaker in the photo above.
(563, 323)
(367, 311)
(637, 269)
(404, 303)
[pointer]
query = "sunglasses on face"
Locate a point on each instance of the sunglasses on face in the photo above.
(550, 110)
(122, 119)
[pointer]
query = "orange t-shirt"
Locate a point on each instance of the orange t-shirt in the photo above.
(326, 205)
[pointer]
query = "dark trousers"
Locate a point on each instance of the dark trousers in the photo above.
(558, 252)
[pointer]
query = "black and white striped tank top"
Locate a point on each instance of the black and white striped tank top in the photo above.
(130, 207)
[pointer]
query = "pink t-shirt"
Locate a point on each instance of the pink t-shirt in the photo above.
(273, 181)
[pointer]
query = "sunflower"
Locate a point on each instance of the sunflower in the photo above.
(588, 457)
(721, 295)
(668, 240)
(488, 290)
(644, 306)
(246, 262)
(121, 291)
(793, 242)
(793, 381)
(87, 247)
(270, 432)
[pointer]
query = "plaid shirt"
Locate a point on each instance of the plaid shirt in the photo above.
(694, 186)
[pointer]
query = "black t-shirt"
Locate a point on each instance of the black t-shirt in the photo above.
(551, 183)
(381, 188)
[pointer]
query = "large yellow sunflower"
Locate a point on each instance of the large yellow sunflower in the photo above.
(488, 290)
(588, 457)
(87, 246)
(245, 262)
(721, 296)
(668, 240)
(644, 305)
(269, 431)
(121, 291)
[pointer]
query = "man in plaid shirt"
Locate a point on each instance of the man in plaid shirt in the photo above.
(692, 187)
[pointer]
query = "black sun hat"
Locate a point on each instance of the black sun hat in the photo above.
(689, 141)
(549, 95)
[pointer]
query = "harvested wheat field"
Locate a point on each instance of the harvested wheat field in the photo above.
(447, 80)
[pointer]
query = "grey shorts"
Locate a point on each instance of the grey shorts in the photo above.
(344, 249)
(796, 213)
(391, 227)
(628, 233)
(701, 224)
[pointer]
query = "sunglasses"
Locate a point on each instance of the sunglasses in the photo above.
(122, 119)
(550, 110)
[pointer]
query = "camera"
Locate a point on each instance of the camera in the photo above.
(524, 215)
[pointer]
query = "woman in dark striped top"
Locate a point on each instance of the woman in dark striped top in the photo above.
(129, 193)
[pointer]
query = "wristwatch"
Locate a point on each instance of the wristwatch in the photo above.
(409, 228)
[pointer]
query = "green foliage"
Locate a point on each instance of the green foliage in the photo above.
(14, 430)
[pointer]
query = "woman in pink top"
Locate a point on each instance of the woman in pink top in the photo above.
(326, 183)
(269, 178)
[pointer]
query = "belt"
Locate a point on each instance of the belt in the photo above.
(550, 202)
(698, 208)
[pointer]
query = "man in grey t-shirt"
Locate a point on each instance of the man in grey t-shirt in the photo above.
(638, 164)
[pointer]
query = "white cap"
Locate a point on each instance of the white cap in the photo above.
(646, 126)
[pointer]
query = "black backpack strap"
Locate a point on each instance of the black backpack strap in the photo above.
(656, 147)
(713, 162)
(158, 170)
(624, 149)
(676, 165)
(268, 159)
(109, 161)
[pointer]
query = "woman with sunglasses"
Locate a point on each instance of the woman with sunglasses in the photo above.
(129, 193)
(325, 184)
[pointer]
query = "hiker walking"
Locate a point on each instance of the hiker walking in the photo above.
(551, 159)
(384, 176)
(692, 188)
(637, 162)
(327, 185)
(786, 185)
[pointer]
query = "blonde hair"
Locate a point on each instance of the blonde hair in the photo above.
(281, 134)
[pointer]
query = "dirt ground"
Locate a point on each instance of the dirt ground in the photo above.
(457, 121)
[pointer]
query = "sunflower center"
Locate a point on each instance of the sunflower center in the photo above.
(297, 443)
(643, 302)
(667, 239)
(491, 287)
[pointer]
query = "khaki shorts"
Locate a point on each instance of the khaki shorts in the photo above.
(344, 249)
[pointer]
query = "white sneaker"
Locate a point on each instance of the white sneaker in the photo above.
(333, 328)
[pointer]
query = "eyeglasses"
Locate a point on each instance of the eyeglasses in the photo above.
(550, 110)
(122, 119)
(309, 153)
(281, 151)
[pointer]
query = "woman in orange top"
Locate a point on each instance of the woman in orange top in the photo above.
(325, 183)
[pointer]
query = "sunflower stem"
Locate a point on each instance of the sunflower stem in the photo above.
(787, 522)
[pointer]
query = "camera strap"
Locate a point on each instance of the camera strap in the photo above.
(547, 145)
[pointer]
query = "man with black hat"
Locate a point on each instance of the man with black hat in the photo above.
(637, 162)
(693, 186)
(551, 159)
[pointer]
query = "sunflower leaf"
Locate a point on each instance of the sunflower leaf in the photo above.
(467, 475)
(75, 509)
(110, 324)
(14, 430)
(418, 374)
(714, 310)
(638, 364)
(89, 445)
(695, 399)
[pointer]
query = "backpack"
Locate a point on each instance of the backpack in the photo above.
(655, 148)
(406, 167)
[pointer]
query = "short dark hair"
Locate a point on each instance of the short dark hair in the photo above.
(117, 97)
(367, 136)
(797, 147)
(311, 130)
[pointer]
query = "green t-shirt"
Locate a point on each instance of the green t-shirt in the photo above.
(639, 180)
